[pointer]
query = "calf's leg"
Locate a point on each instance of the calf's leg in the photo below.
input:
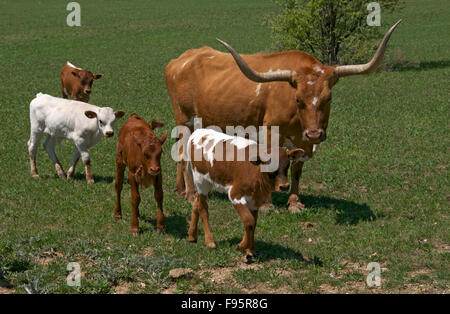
(120, 169)
(160, 220)
(192, 232)
(75, 158)
(33, 143)
(249, 219)
(294, 203)
(49, 145)
(82, 148)
(201, 204)
(135, 201)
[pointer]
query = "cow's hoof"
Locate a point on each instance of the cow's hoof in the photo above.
(241, 247)
(192, 241)
(35, 176)
(134, 231)
(70, 175)
(295, 207)
(294, 204)
(265, 207)
(62, 175)
(249, 258)
(160, 229)
(90, 181)
(118, 216)
(190, 198)
(211, 245)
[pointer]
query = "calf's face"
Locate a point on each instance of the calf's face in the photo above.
(151, 150)
(86, 79)
(279, 176)
(105, 119)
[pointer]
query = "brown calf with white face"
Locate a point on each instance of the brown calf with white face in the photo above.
(77, 82)
(139, 150)
(214, 162)
(289, 89)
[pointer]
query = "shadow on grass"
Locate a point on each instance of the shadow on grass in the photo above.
(175, 225)
(419, 66)
(82, 177)
(347, 212)
(270, 251)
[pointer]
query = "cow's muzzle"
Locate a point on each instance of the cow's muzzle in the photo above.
(154, 171)
(315, 136)
(109, 134)
(284, 187)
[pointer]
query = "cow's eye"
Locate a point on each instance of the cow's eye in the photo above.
(299, 102)
(101, 122)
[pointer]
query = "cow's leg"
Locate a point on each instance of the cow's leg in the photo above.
(49, 145)
(192, 232)
(33, 143)
(75, 158)
(82, 148)
(118, 184)
(249, 219)
(160, 220)
(190, 189)
(294, 203)
(63, 91)
(202, 207)
(180, 188)
(135, 201)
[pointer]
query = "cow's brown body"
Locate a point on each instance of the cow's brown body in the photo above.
(290, 89)
(77, 82)
(139, 150)
(248, 188)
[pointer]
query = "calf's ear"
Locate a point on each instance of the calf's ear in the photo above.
(156, 124)
(119, 114)
(97, 76)
(90, 114)
(75, 73)
(295, 154)
(163, 138)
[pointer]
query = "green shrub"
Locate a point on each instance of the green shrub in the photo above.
(334, 31)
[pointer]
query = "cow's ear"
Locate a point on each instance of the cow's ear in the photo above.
(90, 114)
(156, 124)
(119, 114)
(163, 138)
(139, 171)
(295, 154)
(259, 161)
(97, 76)
(75, 73)
(256, 162)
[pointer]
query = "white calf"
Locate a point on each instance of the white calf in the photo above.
(83, 123)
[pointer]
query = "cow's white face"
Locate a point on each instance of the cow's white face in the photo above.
(105, 119)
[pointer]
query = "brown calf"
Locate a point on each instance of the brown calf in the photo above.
(139, 150)
(248, 188)
(76, 82)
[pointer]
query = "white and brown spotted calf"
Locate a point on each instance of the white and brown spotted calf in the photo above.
(77, 82)
(232, 165)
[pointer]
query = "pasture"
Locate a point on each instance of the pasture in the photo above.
(377, 190)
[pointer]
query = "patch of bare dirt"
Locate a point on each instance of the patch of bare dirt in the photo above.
(6, 287)
(442, 248)
(48, 257)
(147, 252)
(122, 288)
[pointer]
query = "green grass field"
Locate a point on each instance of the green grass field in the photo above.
(377, 191)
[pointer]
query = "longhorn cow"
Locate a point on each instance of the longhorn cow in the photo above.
(289, 89)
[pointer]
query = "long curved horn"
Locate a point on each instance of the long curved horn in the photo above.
(372, 65)
(260, 77)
